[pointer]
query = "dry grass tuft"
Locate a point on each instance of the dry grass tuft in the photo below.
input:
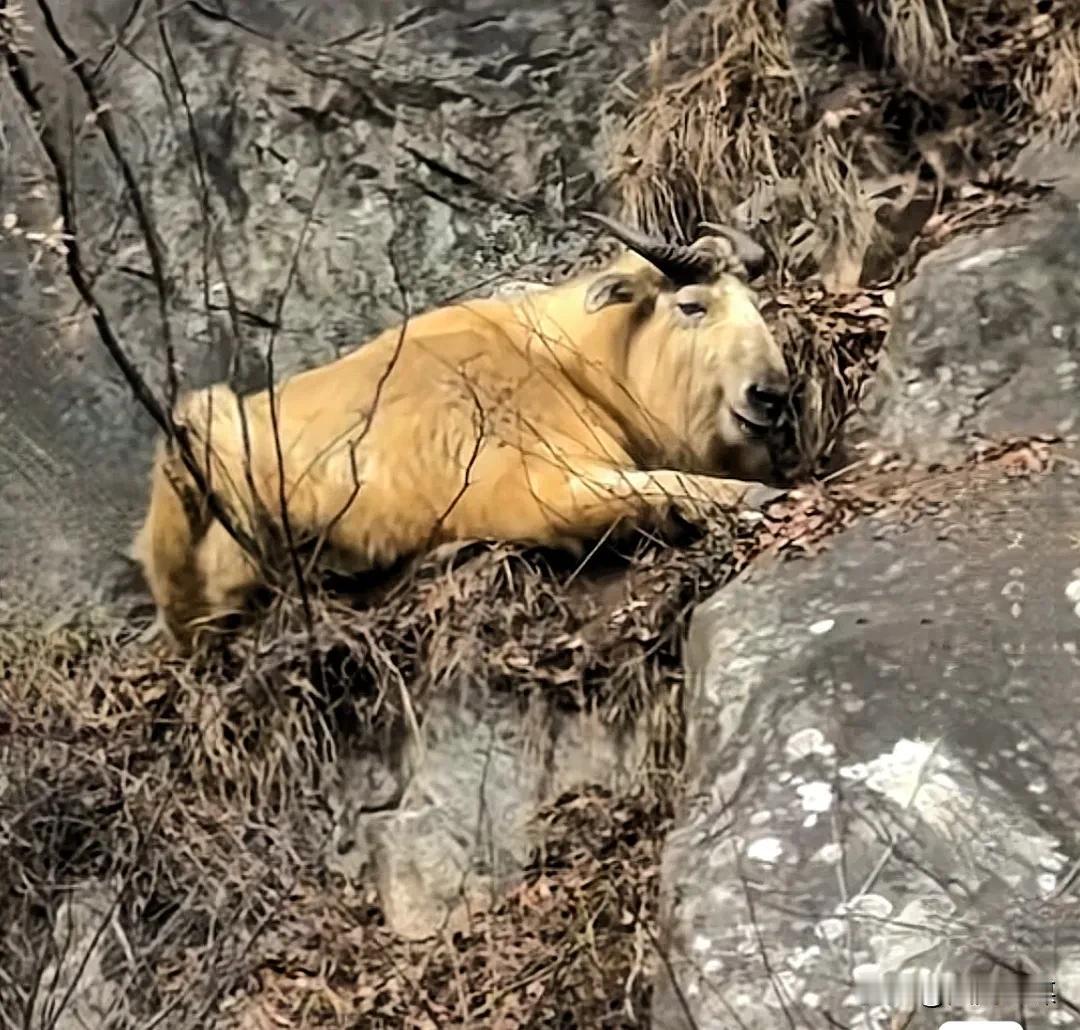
(834, 162)
(570, 946)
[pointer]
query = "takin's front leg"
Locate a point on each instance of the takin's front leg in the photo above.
(601, 497)
(561, 507)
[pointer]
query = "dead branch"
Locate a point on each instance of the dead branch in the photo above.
(77, 274)
(286, 521)
(103, 119)
(210, 238)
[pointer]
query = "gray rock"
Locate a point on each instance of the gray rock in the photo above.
(882, 755)
(881, 765)
(447, 829)
(986, 340)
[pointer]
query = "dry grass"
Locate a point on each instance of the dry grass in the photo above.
(570, 946)
(834, 163)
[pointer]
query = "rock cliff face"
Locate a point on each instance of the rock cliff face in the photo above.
(391, 155)
(882, 764)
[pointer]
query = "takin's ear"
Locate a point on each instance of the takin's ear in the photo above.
(613, 288)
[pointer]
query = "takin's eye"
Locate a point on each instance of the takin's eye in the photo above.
(691, 308)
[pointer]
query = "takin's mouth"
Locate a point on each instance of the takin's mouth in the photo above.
(751, 427)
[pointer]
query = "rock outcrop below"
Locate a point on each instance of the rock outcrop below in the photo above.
(882, 739)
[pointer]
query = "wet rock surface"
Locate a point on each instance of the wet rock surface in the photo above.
(883, 753)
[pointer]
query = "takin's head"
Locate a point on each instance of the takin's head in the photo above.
(703, 309)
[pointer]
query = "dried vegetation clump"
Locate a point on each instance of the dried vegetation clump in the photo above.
(834, 132)
(572, 945)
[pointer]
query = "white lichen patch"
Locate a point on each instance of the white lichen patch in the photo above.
(830, 929)
(804, 956)
(1054, 862)
(874, 906)
(816, 796)
(804, 743)
(904, 772)
(856, 771)
(765, 849)
(830, 854)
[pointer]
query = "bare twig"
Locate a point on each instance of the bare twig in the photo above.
(102, 116)
(77, 274)
(117, 42)
(286, 521)
(144, 836)
(210, 238)
(369, 418)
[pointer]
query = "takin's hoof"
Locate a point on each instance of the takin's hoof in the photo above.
(760, 497)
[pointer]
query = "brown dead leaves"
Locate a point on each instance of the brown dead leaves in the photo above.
(801, 525)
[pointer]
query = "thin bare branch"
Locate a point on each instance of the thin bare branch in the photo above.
(79, 280)
(286, 520)
(102, 116)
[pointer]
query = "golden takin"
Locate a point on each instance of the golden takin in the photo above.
(546, 418)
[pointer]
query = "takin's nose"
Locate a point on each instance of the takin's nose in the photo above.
(768, 395)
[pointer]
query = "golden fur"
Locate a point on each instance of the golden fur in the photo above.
(542, 418)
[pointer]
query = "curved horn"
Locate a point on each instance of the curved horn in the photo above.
(680, 264)
(749, 252)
